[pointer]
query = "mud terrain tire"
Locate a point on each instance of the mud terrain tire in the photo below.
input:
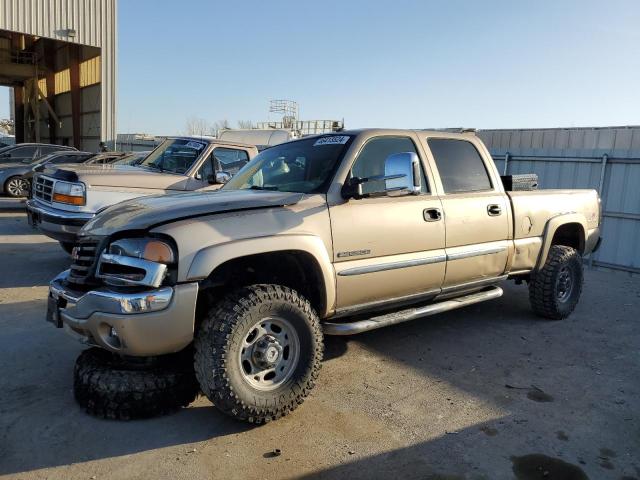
(257, 323)
(107, 386)
(555, 289)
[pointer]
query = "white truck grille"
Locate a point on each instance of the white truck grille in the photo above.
(43, 188)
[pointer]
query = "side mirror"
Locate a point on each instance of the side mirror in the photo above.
(401, 177)
(220, 178)
(403, 174)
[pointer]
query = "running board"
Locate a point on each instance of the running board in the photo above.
(351, 328)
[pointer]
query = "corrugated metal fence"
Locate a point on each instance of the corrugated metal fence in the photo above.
(606, 159)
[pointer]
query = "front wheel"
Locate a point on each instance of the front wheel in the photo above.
(17, 187)
(555, 289)
(258, 352)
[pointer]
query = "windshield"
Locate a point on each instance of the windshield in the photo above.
(174, 155)
(131, 159)
(303, 166)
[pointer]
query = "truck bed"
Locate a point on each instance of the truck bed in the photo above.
(532, 209)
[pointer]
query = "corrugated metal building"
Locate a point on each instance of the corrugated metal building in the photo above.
(606, 159)
(60, 57)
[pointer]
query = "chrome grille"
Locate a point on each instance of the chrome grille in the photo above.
(43, 188)
(84, 258)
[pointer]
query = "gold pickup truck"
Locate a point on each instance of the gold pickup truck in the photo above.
(334, 234)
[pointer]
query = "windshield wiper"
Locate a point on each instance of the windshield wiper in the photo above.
(256, 187)
(153, 166)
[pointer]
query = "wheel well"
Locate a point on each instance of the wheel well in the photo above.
(570, 235)
(295, 269)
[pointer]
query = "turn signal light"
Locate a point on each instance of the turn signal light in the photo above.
(156, 251)
(72, 200)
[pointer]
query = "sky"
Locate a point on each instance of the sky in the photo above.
(404, 64)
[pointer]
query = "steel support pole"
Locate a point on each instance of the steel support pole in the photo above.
(603, 171)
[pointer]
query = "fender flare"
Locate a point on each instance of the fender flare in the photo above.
(210, 258)
(552, 226)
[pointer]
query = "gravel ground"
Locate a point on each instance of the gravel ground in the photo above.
(488, 392)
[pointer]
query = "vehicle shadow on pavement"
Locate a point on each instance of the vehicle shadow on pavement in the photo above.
(450, 396)
(15, 223)
(560, 395)
(38, 411)
(31, 264)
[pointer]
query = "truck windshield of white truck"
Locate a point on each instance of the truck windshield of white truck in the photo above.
(174, 155)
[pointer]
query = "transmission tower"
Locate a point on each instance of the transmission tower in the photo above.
(288, 109)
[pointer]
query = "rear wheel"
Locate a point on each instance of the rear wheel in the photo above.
(258, 353)
(17, 187)
(555, 289)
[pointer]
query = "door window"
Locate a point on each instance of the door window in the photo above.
(460, 165)
(230, 159)
(370, 161)
(206, 169)
(46, 150)
(23, 152)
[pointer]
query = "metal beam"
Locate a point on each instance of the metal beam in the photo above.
(18, 102)
(76, 98)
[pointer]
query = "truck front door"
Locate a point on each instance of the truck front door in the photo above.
(221, 159)
(387, 248)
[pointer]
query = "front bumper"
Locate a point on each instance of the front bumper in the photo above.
(58, 224)
(146, 323)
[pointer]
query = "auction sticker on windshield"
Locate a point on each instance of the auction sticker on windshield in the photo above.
(196, 145)
(333, 140)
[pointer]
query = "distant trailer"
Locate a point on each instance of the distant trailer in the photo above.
(261, 138)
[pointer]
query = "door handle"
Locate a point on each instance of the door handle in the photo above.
(494, 210)
(432, 214)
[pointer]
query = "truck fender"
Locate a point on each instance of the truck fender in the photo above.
(209, 258)
(550, 230)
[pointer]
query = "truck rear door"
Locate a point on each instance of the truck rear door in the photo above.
(476, 210)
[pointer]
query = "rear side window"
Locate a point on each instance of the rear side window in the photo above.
(460, 165)
(46, 150)
(24, 152)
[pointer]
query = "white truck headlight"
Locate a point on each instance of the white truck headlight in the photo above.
(70, 193)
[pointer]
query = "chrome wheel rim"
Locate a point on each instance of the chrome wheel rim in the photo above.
(564, 284)
(269, 353)
(18, 187)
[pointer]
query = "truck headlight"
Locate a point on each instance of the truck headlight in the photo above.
(71, 193)
(151, 249)
(138, 262)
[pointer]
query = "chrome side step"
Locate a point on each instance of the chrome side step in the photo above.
(359, 326)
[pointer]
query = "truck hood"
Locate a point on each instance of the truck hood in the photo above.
(117, 176)
(145, 212)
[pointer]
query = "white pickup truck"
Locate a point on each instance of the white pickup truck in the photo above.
(64, 198)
